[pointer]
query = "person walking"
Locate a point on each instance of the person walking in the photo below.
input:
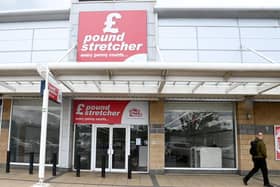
(259, 159)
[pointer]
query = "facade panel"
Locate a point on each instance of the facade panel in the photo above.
(24, 42)
(179, 55)
(219, 56)
(219, 40)
(47, 56)
(258, 22)
(197, 22)
(15, 57)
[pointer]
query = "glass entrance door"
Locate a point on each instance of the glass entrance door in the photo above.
(118, 148)
(83, 141)
(111, 143)
(102, 146)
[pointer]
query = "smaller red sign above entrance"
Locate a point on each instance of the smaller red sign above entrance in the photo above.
(98, 112)
(114, 36)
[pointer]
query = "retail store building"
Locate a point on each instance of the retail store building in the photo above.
(175, 88)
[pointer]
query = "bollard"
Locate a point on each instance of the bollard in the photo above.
(78, 170)
(54, 162)
(31, 161)
(129, 168)
(103, 166)
(8, 162)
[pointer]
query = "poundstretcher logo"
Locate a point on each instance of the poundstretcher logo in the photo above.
(112, 36)
(98, 112)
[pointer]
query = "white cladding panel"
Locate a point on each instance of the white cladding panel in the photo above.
(257, 32)
(15, 57)
(178, 43)
(179, 55)
(259, 22)
(262, 44)
(14, 35)
(12, 45)
(218, 40)
(47, 56)
(251, 58)
(219, 43)
(219, 56)
(66, 135)
(28, 42)
(197, 22)
(217, 32)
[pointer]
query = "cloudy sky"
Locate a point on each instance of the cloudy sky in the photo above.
(6, 5)
(220, 3)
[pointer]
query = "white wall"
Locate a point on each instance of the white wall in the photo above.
(219, 40)
(66, 135)
(33, 42)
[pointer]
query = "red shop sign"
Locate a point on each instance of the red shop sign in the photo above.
(277, 141)
(98, 112)
(55, 94)
(113, 36)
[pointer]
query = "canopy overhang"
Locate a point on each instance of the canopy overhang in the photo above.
(147, 79)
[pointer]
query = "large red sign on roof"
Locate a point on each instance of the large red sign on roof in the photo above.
(113, 36)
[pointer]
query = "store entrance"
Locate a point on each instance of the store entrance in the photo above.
(111, 143)
(115, 143)
(92, 142)
(110, 130)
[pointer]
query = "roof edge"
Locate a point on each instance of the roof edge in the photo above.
(218, 11)
(146, 66)
(34, 15)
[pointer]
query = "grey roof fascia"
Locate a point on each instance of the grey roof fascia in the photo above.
(34, 15)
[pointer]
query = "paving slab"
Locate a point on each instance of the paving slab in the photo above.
(111, 179)
(217, 180)
(21, 178)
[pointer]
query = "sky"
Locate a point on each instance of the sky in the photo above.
(219, 3)
(8, 5)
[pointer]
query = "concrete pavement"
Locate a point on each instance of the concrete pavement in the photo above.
(21, 178)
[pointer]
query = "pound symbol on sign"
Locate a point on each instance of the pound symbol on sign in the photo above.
(109, 23)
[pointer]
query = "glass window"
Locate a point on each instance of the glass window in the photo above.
(139, 147)
(199, 135)
(26, 130)
(83, 145)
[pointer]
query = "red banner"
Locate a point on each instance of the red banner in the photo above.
(98, 112)
(54, 93)
(277, 141)
(113, 36)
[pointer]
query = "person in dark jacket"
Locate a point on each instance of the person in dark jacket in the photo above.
(259, 162)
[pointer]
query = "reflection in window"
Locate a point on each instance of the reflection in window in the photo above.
(201, 138)
(139, 147)
(83, 145)
(26, 130)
